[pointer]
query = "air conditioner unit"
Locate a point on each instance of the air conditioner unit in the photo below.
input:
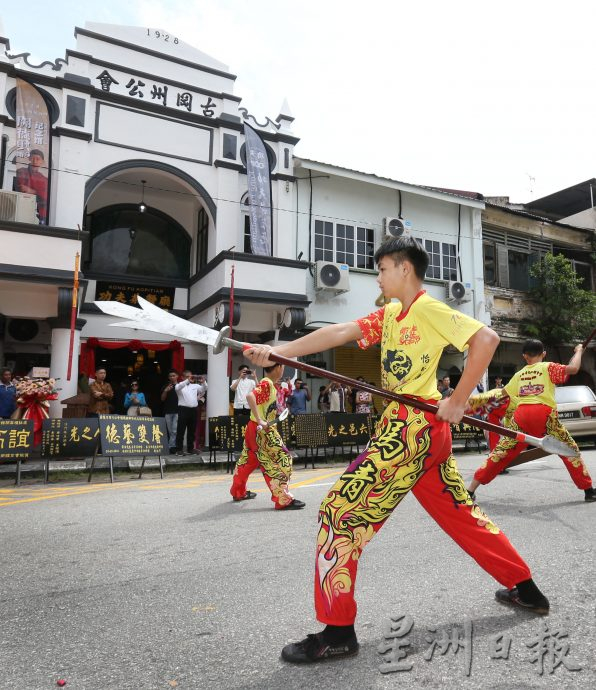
(334, 277)
(27, 332)
(396, 227)
(19, 207)
(458, 292)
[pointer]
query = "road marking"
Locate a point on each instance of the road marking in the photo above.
(20, 495)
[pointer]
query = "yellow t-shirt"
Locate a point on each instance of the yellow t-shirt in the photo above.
(266, 399)
(412, 342)
(535, 384)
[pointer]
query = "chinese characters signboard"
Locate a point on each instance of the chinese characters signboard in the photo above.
(16, 439)
(127, 294)
(163, 94)
(133, 435)
(69, 438)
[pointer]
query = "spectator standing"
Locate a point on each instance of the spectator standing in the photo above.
(134, 399)
(283, 391)
(337, 397)
(169, 398)
(8, 394)
(300, 395)
(201, 412)
(242, 386)
(188, 403)
(323, 400)
(100, 395)
(447, 391)
(499, 382)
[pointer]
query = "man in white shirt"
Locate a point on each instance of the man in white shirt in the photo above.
(242, 386)
(188, 392)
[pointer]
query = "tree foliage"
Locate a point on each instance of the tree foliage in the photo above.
(567, 311)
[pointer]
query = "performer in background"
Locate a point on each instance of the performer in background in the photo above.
(533, 410)
(264, 447)
(410, 450)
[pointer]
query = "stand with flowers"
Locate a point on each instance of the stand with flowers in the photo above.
(33, 396)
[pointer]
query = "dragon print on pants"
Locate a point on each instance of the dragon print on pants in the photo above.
(411, 451)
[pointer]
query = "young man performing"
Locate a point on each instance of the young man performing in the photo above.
(264, 448)
(533, 410)
(411, 449)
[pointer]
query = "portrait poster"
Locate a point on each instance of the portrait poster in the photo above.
(33, 147)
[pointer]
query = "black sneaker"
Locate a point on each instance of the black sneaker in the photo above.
(472, 495)
(590, 494)
(512, 598)
(294, 505)
(248, 495)
(314, 648)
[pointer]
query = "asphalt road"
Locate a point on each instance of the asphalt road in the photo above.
(167, 583)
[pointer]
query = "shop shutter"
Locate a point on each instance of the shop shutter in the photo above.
(354, 362)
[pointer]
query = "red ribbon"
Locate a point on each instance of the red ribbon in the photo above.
(37, 410)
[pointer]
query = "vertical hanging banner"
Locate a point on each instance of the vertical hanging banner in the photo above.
(33, 150)
(259, 192)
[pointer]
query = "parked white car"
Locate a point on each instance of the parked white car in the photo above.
(576, 406)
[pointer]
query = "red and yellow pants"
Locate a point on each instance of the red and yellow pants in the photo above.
(536, 420)
(411, 451)
(264, 449)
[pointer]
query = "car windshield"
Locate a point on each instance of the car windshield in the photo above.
(571, 394)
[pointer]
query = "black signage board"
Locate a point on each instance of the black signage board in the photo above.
(127, 294)
(133, 435)
(310, 431)
(347, 429)
(16, 439)
(237, 431)
(466, 432)
(69, 438)
(220, 432)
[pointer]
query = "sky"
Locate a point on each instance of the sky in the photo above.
(491, 97)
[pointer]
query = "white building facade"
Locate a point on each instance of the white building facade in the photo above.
(140, 118)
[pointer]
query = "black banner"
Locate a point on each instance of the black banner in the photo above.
(133, 435)
(69, 438)
(162, 297)
(16, 439)
(259, 192)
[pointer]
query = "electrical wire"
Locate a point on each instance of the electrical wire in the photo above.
(337, 219)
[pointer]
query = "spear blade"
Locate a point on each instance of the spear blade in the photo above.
(156, 320)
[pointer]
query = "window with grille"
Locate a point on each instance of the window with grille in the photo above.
(442, 259)
(345, 244)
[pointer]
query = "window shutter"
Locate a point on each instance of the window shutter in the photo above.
(534, 258)
(503, 266)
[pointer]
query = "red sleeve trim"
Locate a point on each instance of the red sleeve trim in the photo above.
(262, 393)
(557, 373)
(371, 327)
